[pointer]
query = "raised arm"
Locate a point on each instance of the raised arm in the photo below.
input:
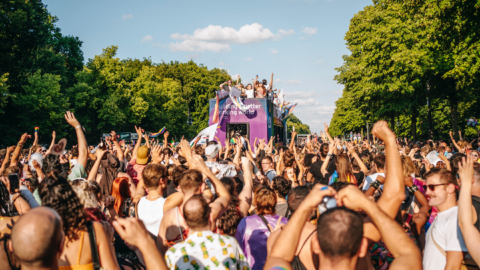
(323, 169)
(406, 253)
(327, 133)
(82, 142)
(354, 154)
(132, 231)
(18, 149)
(292, 140)
(282, 254)
(92, 175)
(465, 215)
(196, 162)
(139, 131)
(394, 186)
(454, 142)
(245, 196)
(49, 150)
(7, 158)
(117, 146)
(271, 82)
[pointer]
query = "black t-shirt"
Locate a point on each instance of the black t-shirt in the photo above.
(315, 170)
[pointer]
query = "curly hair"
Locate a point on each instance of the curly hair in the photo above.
(281, 186)
(229, 221)
(288, 158)
(50, 163)
(56, 193)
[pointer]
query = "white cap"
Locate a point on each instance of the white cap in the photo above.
(212, 150)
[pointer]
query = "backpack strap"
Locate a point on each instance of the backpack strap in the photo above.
(265, 221)
(93, 245)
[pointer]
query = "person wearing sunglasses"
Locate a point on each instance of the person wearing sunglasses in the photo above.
(444, 245)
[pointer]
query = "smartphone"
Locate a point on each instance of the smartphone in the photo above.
(14, 182)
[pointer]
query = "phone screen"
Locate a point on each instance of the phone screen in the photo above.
(14, 182)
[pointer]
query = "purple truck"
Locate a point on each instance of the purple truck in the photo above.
(262, 120)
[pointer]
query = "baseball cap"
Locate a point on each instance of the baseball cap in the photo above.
(212, 150)
(142, 155)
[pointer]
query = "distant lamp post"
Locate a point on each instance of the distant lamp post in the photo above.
(189, 119)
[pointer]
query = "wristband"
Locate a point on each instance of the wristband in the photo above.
(78, 126)
(376, 184)
(413, 189)
(329, 155)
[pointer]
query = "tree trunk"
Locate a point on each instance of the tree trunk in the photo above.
(453, 100)
(392, 123)
(414, 124)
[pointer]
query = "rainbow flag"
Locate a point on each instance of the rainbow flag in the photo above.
(37, 129)
(154, 135)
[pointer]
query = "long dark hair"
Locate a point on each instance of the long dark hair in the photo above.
(56, 193)
(229, 221)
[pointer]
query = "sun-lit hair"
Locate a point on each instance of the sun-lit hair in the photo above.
(120, 191)
(344, 168)
(265, 200)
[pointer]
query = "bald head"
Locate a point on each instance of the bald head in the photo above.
(37, 238)
(196, 212)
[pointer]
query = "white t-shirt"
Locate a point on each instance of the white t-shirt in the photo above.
(370, 179)
(250, 93)
(151, 213)
(447, 235)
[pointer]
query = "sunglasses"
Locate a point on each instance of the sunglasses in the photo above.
(432, 187)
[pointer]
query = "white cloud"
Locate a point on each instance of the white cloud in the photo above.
(217, 38)
(309, 31)
(301, 94)
(248, 58)
(286, 33)
(325, 110)
(278, 80)
(198, 46)
(221, 64)
(193, 55)
(127, 16)
(273, 51)
(305, 102)
(249, 33)
(294, 81)
(234, 77)
(147, 38)
(319, 61)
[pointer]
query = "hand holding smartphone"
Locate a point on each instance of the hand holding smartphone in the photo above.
(14, 182)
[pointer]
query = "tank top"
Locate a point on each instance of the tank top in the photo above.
(88, 266)
(296, 262)
(151, 213)
(476, 205)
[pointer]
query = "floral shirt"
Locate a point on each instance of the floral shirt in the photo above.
(206, 250)
(135, 170)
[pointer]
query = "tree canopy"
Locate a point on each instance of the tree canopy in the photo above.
(403, 53)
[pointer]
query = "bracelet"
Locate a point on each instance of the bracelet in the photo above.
(413, 189)
(20, 144)
(78, 126)
(376, 184)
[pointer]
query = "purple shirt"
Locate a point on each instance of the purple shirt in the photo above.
(252, 235)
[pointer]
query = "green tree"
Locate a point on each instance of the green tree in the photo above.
(300, 128)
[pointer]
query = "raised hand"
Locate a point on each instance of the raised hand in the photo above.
(382, 131)
(352, 198)
(139, 131)
(157, 154)
(24, 138)
(113, 134)
(70, 117)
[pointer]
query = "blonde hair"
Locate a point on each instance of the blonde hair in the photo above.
(85, 192)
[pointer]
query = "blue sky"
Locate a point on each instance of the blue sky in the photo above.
(301, 42)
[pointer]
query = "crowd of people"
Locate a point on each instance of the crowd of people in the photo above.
(257, 89)
(384, 203)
